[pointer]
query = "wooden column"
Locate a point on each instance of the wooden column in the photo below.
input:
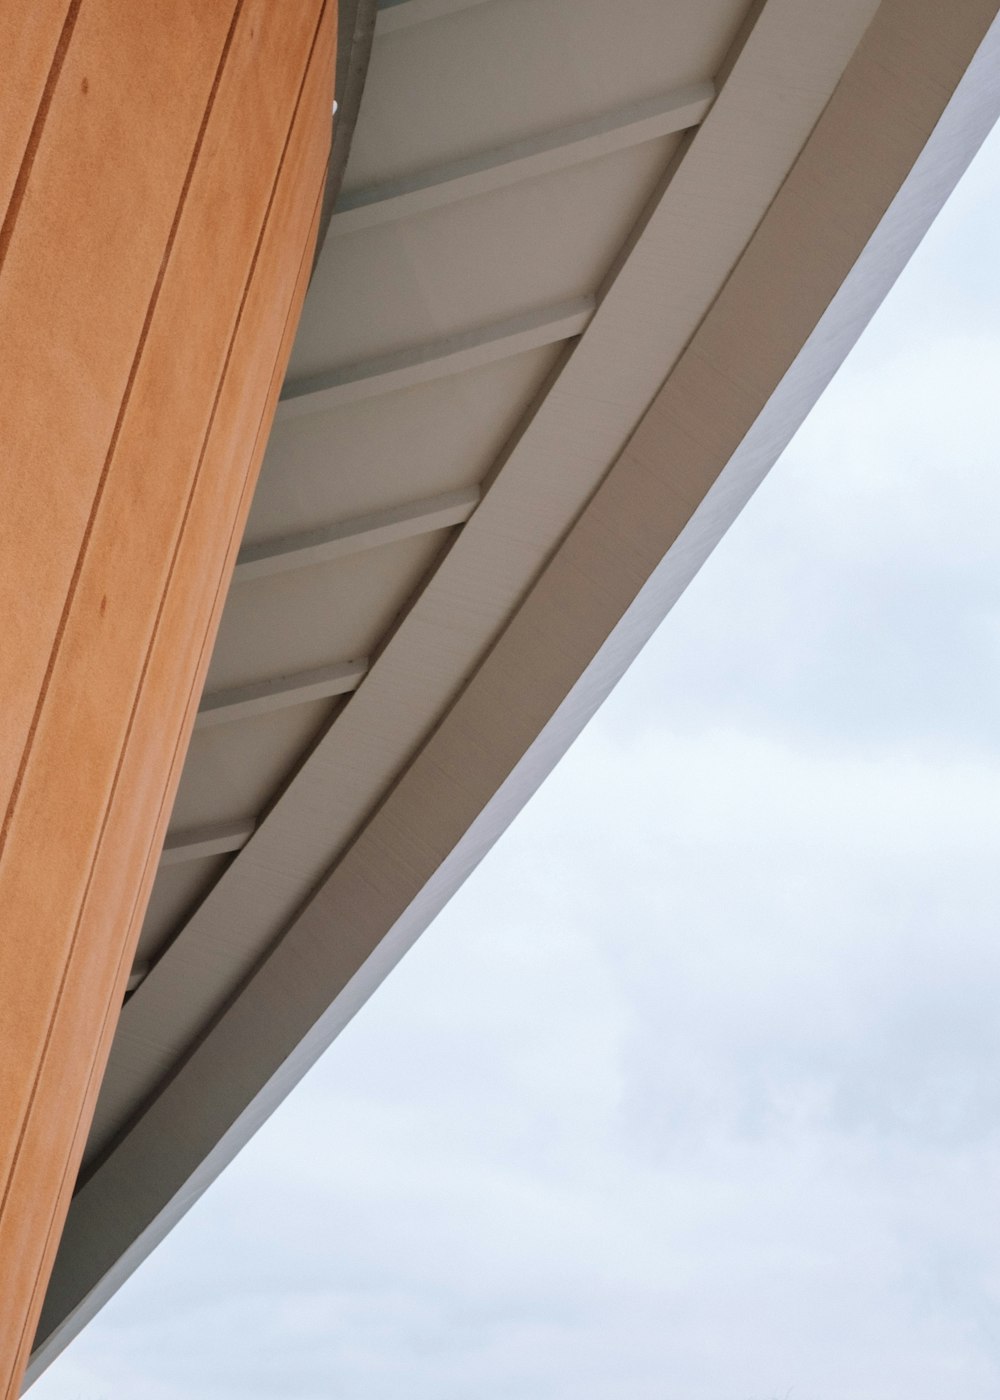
(161, 168)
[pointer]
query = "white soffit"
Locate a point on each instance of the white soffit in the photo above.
(465, 529)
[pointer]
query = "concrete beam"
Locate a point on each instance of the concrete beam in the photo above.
(401, 369)
(522, 160)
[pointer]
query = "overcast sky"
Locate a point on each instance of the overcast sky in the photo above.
(693, 1092)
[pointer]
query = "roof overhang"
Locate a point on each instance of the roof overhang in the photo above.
(600, 443)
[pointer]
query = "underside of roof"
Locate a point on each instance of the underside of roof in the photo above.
(589, 266)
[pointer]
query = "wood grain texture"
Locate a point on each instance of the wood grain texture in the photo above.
(161, 173)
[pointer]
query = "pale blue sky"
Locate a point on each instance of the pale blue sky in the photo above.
(693, 1091)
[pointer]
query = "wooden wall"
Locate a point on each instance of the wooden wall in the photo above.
(161, 168)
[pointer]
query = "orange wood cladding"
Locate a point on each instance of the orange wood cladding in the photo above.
(161, 167)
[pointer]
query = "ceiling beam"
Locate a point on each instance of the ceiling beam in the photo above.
(403, 14)
(139, 971)
(401, 369)
(352, 536)
(247, 701)
(521, 160)
(197, 843)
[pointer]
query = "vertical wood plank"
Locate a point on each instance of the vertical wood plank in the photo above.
(154, 267)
